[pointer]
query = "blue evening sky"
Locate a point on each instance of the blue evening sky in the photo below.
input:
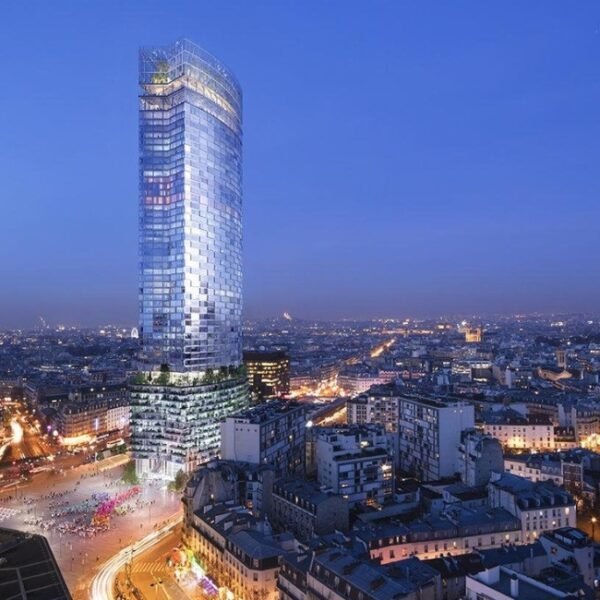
(400, 158)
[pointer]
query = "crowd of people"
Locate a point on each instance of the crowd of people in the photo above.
(67, 513)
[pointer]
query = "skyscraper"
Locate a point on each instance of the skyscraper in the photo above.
(190, 171)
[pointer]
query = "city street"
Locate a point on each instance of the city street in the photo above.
(25, 441)
(149, 574)
(124, 575)
(24, 444)
(43, 506)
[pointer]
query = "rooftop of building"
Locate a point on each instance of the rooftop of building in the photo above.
(101, 388)
(261, 356)
(29, 570)
(463, 492)
(530, 494)
(298, 561)
(432, 526)
(356, 430)
(573, 455)
(164, 64)
(568, 537)
(508, 554)
(407, 485)
(226, 517)
(306, 490)
(258, 545)
(74, 405)
(268, 411)
(458, 565)
(567, 581)
(509, 416)
(528, 588)
(336, 568)
(360, 370)
(229, 470)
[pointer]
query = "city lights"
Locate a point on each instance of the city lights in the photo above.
(334, 335)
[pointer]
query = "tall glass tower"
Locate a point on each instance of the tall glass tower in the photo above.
(190, 236)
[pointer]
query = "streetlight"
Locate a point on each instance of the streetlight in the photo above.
(594, 528)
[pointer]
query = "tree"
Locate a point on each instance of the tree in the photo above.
(129, 474)
(139, 379)
(179, 482)
(163, 379)
(209, 377)
(165, 374)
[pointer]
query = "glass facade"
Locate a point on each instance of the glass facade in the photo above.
(190, 210)
(190, 236)
(177, 427)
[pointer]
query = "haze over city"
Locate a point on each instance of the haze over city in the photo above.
(398, 161)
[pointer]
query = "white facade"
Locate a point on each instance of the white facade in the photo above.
(374, 407)
(117, 417)
(240, 440)
(271, 433)
(533, 472)
(356, 463)
(430, 435)
(522, 436)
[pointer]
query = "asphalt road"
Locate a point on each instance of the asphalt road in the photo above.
(30, 446)
(25, 441)
(79, 557)
(146, 561)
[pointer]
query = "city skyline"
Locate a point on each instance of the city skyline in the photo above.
(360, 240)
(481, 202)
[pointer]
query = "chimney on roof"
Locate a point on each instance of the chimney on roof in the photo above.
(514, 586)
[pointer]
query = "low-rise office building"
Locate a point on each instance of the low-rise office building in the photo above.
(268, 374)
(75, 420)
(91, 411)
(357, 379)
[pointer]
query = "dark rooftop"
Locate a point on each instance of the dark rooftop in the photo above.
(30, 571)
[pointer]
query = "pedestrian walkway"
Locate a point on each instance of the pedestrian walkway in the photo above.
(154, 567)
(7, 513)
